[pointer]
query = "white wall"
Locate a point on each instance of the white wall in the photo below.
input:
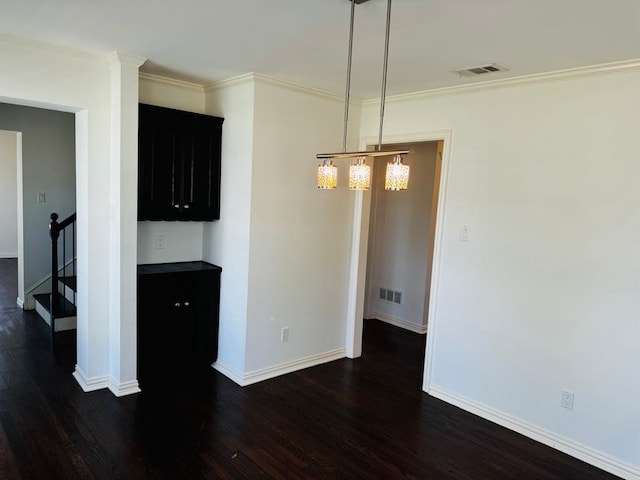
(183, 239)
(280, 241)
(8, 194)
(544, 296)
(399, 240)
(226, 242)
(48, 166)
(298, 271)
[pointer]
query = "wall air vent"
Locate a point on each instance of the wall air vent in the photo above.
(389, 295)
(397, 297)
(481, 70)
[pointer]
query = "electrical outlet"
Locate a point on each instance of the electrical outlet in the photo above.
(161, 240)
(566, 399)
(284, 334)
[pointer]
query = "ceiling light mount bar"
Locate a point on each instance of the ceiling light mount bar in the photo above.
(373, 153)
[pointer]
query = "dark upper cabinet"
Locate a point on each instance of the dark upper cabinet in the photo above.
(178, 165)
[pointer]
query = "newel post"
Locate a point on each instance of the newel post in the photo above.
(54, 233)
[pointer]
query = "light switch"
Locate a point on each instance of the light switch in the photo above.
(464, 233)
(42, 197)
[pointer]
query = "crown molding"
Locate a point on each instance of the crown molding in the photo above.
(151, 77)
(568, 74)
(126, 58)
(287, 85)
(52, 48)
(296, 87)
(230, 82)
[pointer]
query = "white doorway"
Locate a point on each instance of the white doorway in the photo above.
(360, 241)
(400, 243)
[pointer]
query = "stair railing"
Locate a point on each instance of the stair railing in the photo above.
(55, 229)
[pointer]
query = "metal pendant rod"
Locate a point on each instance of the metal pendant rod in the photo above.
(384, 74)
(348, 87)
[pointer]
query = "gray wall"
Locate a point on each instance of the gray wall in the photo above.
(8, 195)
(48, 165)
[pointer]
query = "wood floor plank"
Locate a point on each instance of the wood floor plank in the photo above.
(349, 419)
(8, 466)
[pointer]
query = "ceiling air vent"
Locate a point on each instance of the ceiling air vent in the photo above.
(481, 70)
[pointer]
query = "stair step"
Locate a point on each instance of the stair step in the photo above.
(65, 307)
(66, 311)
(67, 287)
(69, 281)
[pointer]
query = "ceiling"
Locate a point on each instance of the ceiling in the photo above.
(305, 41)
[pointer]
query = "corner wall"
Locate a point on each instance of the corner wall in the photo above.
(299, 268)
(280, 241)
(226, 241)
(543, 297)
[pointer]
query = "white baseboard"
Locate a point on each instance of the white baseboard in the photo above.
(90, 384)
(8, 255)
(244, 379)
(20, 303)
(231, 373)
(125, 388)
(539, 434)
(399, 322)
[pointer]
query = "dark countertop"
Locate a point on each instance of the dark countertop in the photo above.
(176, 267)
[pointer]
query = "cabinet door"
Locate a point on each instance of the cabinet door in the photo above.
(207, 322)
(200, 161)
(158, 166)
(179, 165)
(167, 313)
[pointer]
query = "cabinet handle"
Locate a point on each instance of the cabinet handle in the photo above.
(176, 206)
(186, 205)
(177, 304)
(186, 304)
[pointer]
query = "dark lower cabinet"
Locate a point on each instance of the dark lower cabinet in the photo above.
(178, 305)
(178, 165)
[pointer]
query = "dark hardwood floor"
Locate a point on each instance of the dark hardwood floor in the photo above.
(362, 419)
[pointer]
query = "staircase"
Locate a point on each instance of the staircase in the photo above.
(58, 308)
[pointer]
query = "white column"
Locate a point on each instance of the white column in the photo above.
(123, 223)
(92, 247)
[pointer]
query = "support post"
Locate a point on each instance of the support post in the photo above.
(54, 233)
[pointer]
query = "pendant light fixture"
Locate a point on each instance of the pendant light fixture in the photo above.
(360, 172)
(327, 175)
(397, 177)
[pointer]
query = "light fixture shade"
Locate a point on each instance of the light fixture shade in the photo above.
(327, 175)
(359, 175)
(397, 177)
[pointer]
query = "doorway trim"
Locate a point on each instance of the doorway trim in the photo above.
(360, 241)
